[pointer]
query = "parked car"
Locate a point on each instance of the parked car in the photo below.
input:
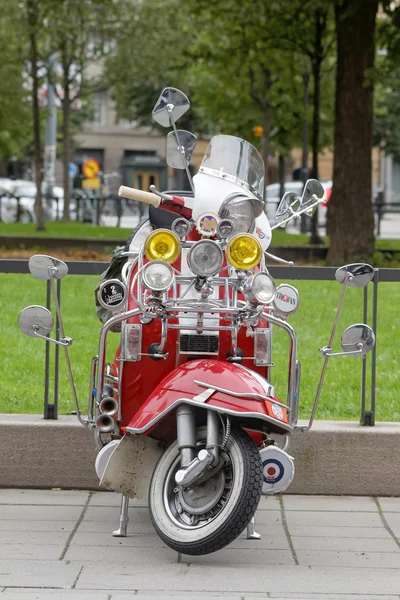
(23, 192)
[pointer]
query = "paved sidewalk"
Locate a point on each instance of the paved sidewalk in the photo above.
(58, 545)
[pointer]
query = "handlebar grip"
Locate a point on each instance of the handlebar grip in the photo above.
(139, 195)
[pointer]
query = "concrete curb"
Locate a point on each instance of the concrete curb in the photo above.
(334, 458)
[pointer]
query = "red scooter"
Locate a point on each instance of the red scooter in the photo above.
(187, 400)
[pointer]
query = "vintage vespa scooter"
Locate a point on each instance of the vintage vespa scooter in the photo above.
(187, 399)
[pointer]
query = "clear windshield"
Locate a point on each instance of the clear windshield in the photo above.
(237, 159)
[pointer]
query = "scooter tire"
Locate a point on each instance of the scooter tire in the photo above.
(233, 518)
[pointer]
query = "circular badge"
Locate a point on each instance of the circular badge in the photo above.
(206, 224)
(277, 411)
(278, 469)
(287, 299)
(273, 470)
(112, 294)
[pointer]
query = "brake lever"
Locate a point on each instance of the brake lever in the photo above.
(279, 260)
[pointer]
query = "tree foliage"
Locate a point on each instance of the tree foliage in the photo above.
(15, 115)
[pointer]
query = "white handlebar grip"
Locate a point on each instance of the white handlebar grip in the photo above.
(139, 195)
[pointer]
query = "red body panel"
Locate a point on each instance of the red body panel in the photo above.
(148, 387)
(181, 384)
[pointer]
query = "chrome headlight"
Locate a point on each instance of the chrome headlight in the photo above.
(240, 210)
(205, 258)
(158, 276)
(260, 288)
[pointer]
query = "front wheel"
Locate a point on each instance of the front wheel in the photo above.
(207, 517)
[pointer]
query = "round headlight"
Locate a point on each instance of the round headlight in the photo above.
(181, 227)
(244, 252)
(225, 228)
(260, 288)
(239, 209)
(162, 244)
(157, 276)
(205, 258)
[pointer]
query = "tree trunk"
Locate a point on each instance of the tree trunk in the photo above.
(66, 109)
(350, 216)
(316, 73)
(32, 11)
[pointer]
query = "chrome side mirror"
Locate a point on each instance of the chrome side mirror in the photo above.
(313, 194)
(358, 340)
(180, 150)
(357, 275)
(288, 206)
(35, 321)
(47, 267)
(171, 103)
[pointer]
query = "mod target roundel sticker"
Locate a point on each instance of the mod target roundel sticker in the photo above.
(273, 470)
(278, 469)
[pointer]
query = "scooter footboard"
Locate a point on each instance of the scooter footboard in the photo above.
(130, 466)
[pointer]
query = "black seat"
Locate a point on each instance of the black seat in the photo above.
(161, 219)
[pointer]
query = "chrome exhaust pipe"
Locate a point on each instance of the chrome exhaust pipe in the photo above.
(105, 423)
(108, 406)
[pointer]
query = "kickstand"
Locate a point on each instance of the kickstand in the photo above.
(123, 518)
(251, 530)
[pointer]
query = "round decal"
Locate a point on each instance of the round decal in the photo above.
(207, 223)
(273, 470)
(287, 299)
(277, 411)
(278, 469)
(112, 294)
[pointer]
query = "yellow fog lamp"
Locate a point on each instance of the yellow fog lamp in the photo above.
(244, 251)
(162, 244)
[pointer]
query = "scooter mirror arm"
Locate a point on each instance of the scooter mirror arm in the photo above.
(170, 108)
(297, 213)
(349, 277)
(84, 422)
(65, 341)
(279, 260)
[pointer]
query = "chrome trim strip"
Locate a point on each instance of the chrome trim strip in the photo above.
(244, 394)
(103, 342)
(224, 411)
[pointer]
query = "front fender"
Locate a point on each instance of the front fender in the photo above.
(241, 393)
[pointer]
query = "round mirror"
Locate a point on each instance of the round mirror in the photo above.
(288, 206)
(35, 320)
(313, 191)
(358, 339)
(180, 151)
(171, 102)
(361, 274)
(47, 267)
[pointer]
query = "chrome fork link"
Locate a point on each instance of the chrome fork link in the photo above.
(213, 435)
(123, 518)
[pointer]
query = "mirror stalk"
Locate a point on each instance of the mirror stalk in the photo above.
(297, 214)
(170, 108)
(279, 260)
(84, 422)
(349, 277)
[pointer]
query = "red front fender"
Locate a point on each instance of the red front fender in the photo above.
(242, 394)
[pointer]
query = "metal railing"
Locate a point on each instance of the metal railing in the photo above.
(367, 416)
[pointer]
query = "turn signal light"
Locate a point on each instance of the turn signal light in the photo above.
(244, 251)
(162, 244)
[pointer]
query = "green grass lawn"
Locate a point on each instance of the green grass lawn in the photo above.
(85, 230)
(22, 358)
(60, 229)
